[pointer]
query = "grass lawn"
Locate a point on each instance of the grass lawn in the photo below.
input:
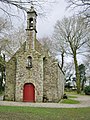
(29, 113)
(69, 101)
(72, 96)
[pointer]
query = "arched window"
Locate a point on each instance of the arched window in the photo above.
(29, 62)
(31, 23)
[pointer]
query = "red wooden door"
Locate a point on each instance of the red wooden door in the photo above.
(29, 93)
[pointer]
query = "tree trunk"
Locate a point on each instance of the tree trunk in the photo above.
(82, 86)
(62, 57)
(77, 74)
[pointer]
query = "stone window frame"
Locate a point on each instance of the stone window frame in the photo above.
(29, 62)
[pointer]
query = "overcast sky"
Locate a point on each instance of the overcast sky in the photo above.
(56, 12)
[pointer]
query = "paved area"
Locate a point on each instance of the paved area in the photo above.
(84, 102)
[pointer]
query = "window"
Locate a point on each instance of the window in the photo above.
(29, 62)
(31, 23)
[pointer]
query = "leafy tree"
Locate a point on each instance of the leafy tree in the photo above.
(87, 90)
(71, 33)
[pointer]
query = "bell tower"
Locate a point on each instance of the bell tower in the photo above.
(31, 28)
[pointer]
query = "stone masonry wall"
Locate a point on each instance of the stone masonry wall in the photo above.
(33, 75)
(10, 84)
(61, 79)
(38, 47)
(51, 80)
(10, 80)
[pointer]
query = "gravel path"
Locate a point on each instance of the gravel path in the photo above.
(84, 102)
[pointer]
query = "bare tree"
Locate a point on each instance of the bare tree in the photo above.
(59, 45)
(71, 33)
(15, 40)
(87, 59)
(82, 5)
(10, 38)
(48, 45)
(7, 5)
(21, 4)
(69, 69)
(4, 28)
(45, 41)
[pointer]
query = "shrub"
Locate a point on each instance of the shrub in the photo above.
(87, 90)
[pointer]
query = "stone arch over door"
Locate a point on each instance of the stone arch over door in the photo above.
(29, 92)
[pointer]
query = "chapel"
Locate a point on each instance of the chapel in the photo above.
(32, 74)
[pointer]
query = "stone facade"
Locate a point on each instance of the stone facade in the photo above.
(44, 72)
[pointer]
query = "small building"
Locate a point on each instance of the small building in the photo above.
(32, 75)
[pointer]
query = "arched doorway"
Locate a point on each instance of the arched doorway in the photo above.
(29, 93)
